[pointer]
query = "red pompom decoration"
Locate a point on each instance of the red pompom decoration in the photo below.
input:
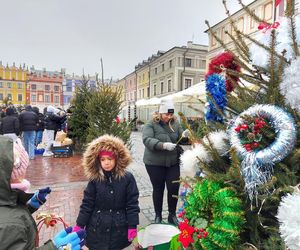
(226, 59)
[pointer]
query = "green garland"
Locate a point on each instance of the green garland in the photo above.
(216, 209)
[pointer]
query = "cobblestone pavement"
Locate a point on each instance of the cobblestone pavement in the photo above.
(66, 179)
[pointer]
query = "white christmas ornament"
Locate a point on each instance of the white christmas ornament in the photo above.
(289, 219)
(189, 160)
(290, 86)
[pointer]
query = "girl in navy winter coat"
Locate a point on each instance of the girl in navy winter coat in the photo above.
(109, 209)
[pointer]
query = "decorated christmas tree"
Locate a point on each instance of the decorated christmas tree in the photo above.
(240, 178)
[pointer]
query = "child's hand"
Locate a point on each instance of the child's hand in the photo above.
(132, 233)
(76, 228)
(73, 240)
(39, 197)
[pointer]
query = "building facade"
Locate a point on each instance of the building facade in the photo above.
(177, 69)
(131, 94)
(44, 88)
(264, 9)
(69, 84)
(13, 84)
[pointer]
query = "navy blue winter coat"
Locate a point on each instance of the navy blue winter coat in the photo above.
(110, 203)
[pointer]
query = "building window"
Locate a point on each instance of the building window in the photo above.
(140, 79)
(69, 88)
(154, 90)
(1, 97)
(202, 64)
(188, 62)
(268, 11)
(47, 98)
(1, 84)
(169, 85)
(20, 85)
(148, 92)
(155, 71)
(163, 67)
(56, 88)
(47, 87)
(213, 40)
(140, 93)
(143, 93)
(170, 64)
(252, 20)
(33, 87)
(240, 24)
(20, 97)
(33, 98)
(187, 83)
(162, 87)
(9, 85)
(9, 97)
(56, 99)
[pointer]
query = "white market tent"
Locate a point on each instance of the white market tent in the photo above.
(182, 100)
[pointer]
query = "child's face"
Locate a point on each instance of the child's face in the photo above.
(107, 163)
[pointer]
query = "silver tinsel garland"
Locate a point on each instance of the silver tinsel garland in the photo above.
(257, 166)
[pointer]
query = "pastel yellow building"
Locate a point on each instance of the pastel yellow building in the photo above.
(13, 84)
(143, 81)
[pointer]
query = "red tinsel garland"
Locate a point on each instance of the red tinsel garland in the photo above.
(225, 59)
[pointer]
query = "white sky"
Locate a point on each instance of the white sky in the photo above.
(75, 34)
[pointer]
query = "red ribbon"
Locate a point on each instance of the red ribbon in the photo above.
(265, 26)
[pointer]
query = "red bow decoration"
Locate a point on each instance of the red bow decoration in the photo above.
(266, 26)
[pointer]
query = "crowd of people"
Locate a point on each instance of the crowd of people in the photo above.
(109, 213)
(30, 125)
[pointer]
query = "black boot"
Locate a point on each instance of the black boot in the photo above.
(172, 219)
(158, 219)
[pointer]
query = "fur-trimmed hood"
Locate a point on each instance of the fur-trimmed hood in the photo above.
(91, 163)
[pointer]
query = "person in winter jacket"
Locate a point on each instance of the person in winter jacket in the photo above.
(18, 229)
(109, 209)
(28, 122)
(161, 159)
(39, 126)
(53, 122)
(10, 126)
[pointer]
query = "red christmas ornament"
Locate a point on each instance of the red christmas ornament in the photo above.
(244, 126)
(238, 129)
(226, 60)
(118, 120)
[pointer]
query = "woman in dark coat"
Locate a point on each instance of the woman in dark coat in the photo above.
(10, 125)
(160, 137)
(109, 210)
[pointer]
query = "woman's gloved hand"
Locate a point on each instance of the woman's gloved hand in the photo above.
(39, 197)
(169, 146)
(132, 233)
(186, 133)
(67, 238)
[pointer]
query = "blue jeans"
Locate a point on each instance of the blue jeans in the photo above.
(38, 137)
(28, 141)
